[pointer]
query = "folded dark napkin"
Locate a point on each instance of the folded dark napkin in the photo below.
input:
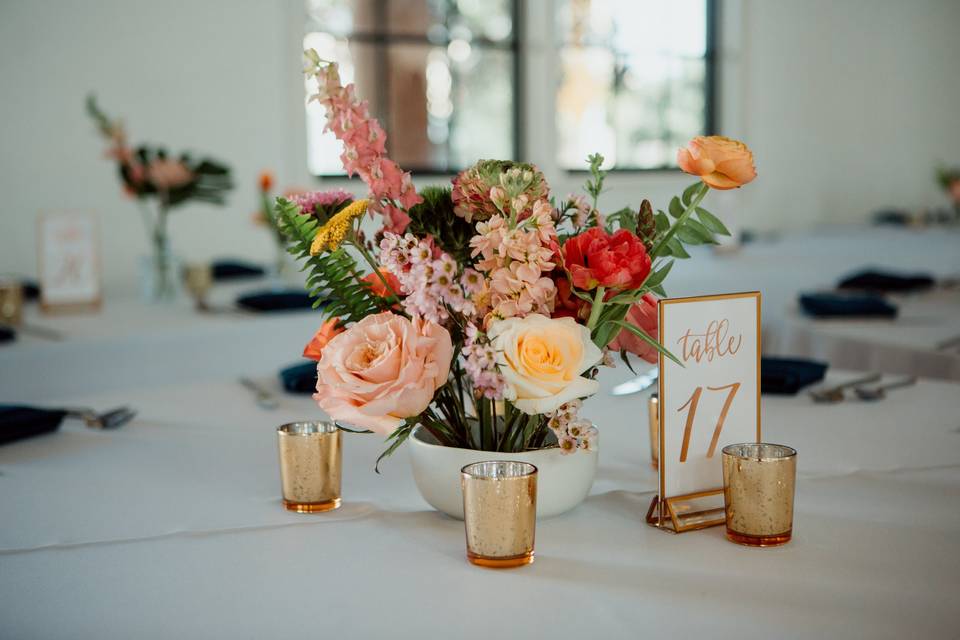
(786, 376)
(31, 290)
(280, 300)
(17, 422)
(887, 281)
(7, 334)
(841, 305)
(235, 270)
(300, 378)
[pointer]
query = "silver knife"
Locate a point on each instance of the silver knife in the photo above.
(638, 384)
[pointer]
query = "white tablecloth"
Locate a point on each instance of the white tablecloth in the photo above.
(172, 527)
(909, 344)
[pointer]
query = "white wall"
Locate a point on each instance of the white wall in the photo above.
(847, 104)
(206, 75)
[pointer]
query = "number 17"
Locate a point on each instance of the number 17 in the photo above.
(692, 402)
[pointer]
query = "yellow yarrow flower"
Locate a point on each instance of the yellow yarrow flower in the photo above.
(331, 235)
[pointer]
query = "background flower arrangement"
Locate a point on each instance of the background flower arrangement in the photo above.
(481, 311)
(150, 174)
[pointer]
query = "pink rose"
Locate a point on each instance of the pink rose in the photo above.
(644, 316)
(381, 370)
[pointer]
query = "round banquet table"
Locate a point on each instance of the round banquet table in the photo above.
(172, 527)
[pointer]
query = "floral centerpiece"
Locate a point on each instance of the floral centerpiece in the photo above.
(480, 311)
(150, 175)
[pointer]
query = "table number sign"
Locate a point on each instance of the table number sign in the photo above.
(712, 400)
(69, 262)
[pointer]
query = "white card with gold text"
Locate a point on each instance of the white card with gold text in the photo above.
(714, 399)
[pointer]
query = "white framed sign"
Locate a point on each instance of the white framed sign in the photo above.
(69, 261)
(712, 400)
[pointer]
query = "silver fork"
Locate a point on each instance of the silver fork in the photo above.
(835, 394)
(113, 419)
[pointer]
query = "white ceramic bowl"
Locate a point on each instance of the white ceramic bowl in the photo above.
(563, 481)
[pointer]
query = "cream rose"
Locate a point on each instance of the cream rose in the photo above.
(381, 370)
(541, 360)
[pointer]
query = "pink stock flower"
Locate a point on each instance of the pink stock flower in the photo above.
(382, 370)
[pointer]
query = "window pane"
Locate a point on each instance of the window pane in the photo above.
(438, 74)
(633, 80)
(438, 21)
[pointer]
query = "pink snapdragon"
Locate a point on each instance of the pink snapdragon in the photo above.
(364, 145)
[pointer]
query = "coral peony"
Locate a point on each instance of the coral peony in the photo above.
(596, 259)
(642, 315)
(383, 369)
(720, 162)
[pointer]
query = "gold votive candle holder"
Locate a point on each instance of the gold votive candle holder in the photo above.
(759, 481)
(653, 413)
(310, 466)
(198, 279)
(11, 302)
(499, 512)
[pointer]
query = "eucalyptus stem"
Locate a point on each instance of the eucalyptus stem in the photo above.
(662, 242)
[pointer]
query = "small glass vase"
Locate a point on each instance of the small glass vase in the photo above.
(160, 274)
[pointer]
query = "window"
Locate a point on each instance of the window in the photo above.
(440, 75)
(636, 80)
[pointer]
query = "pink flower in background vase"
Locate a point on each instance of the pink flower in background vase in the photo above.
(642, 315)
(166, 174)
(382, 370)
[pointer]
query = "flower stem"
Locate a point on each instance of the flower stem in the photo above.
(596, 308)
(662, 242)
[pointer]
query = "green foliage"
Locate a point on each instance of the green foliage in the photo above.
(435, 217)
(594, 185)
(333, 276)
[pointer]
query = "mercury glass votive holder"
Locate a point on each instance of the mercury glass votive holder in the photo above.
(759, 482)
(310, 466)
(499, 512)
(653, 413)
(11, 301)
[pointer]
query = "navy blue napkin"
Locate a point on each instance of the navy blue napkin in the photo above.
(887, 281)
(7, 334)
(787, 376)
(235, 270)
(18, 422)
(839, 305)
(280, 300)
(300, 378)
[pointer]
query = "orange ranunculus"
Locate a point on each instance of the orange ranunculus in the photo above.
(266, 181)
(376, 285)
(327, 331)
(720, 162)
